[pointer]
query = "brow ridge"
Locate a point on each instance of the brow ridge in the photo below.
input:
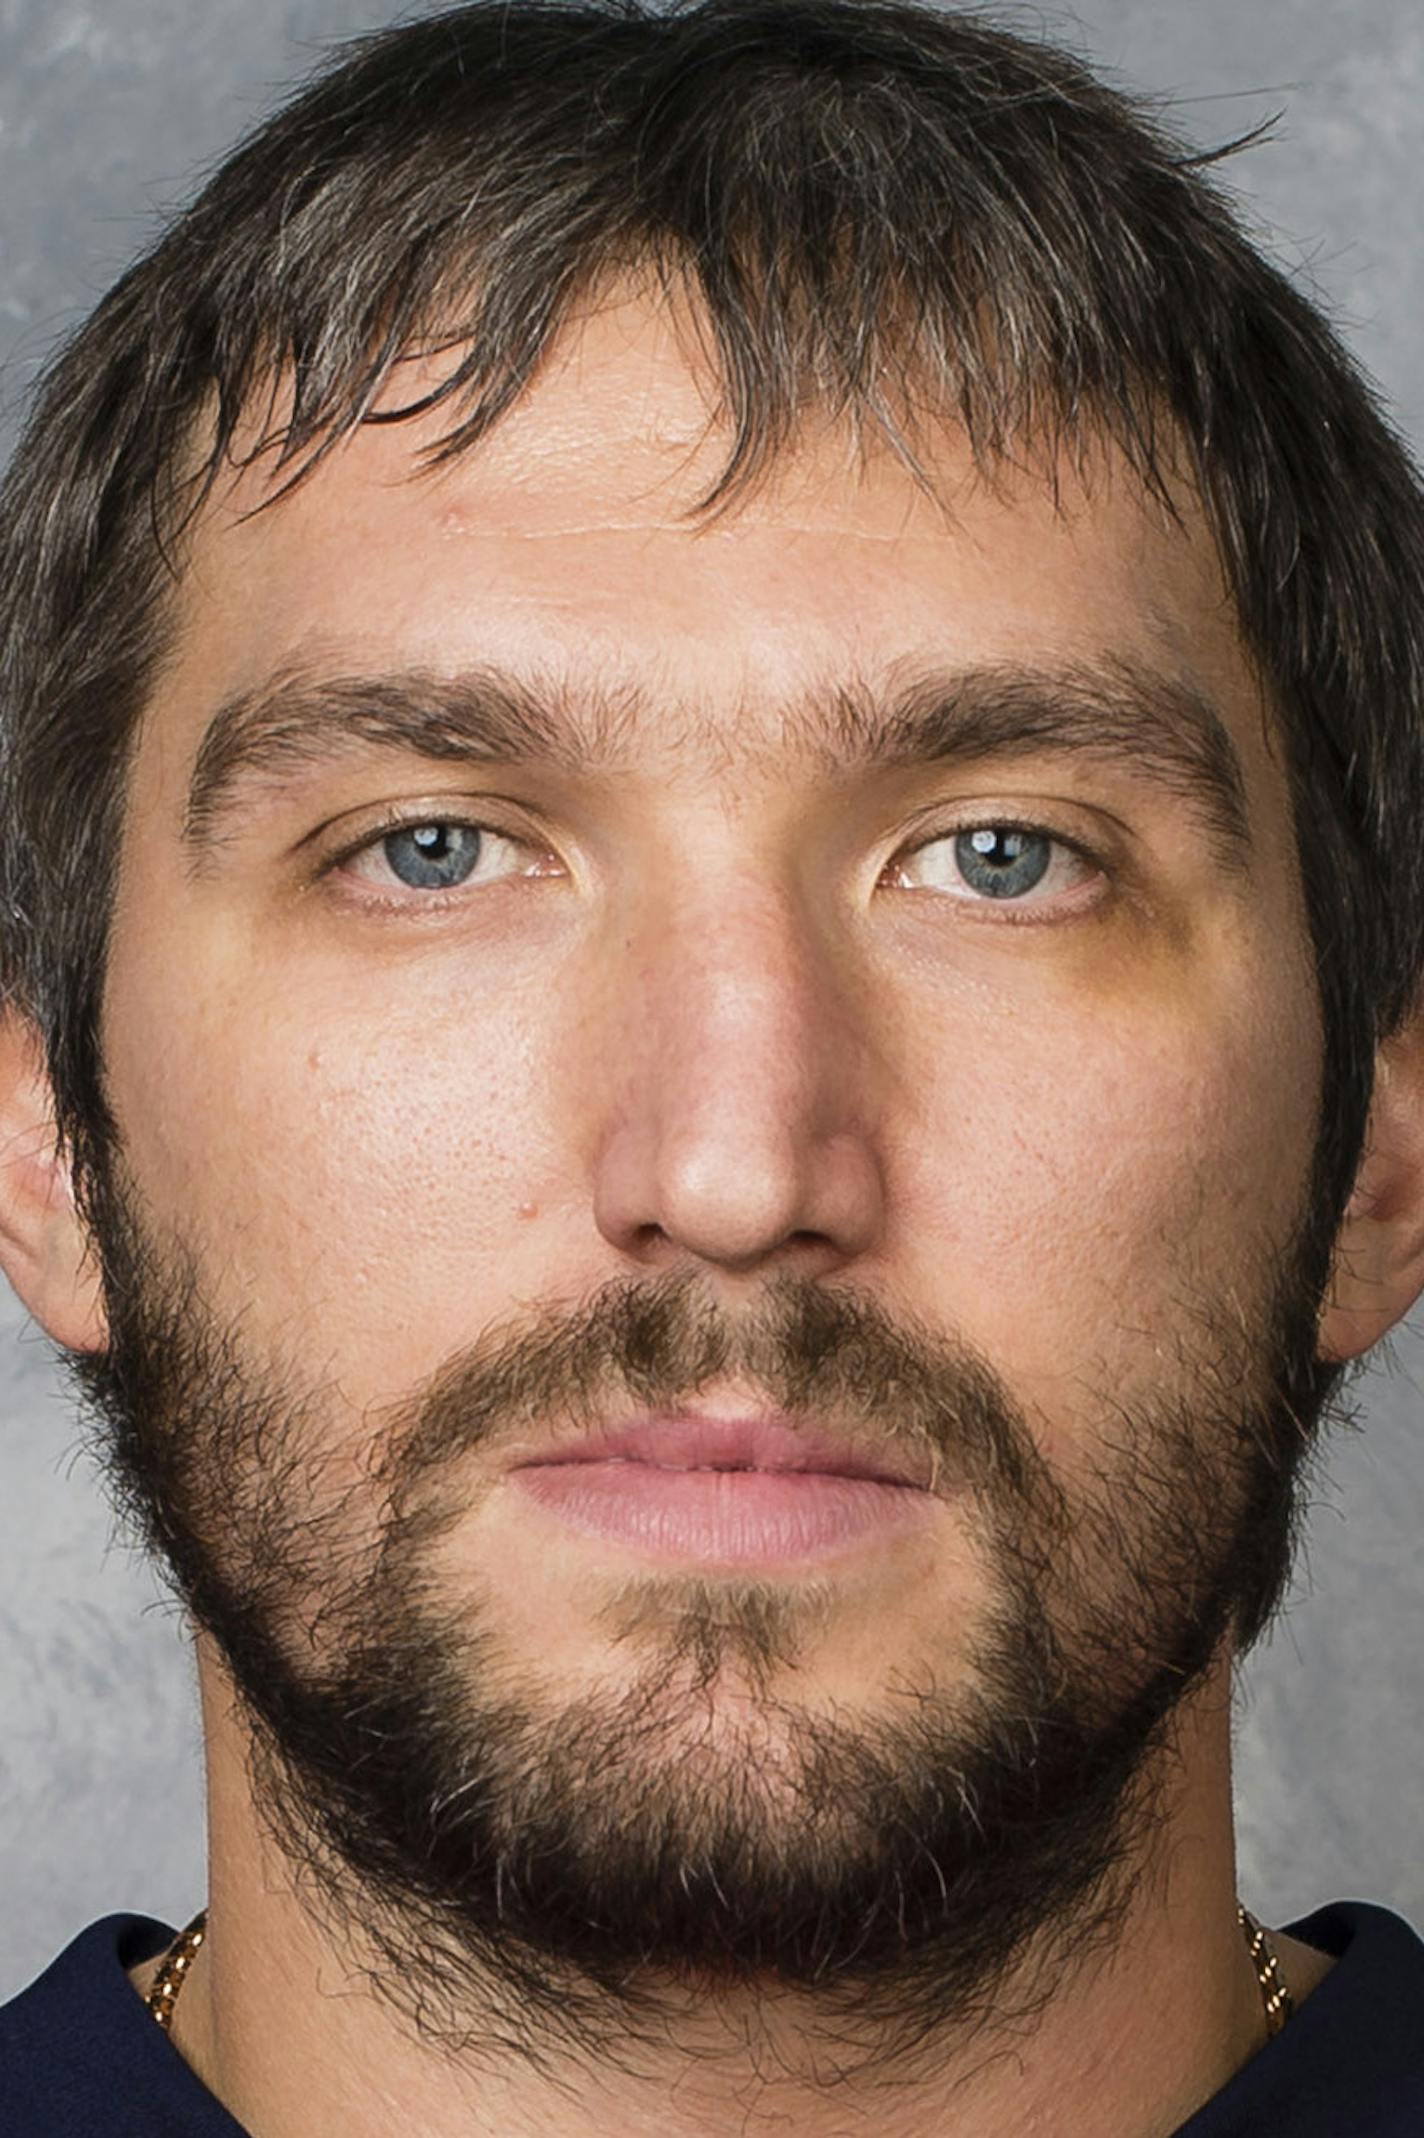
(1111, 709)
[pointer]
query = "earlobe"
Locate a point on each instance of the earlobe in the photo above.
(1379, 1252)
(44, 1243)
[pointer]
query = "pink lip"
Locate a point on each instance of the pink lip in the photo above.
(735, 1491)
(683, 1441)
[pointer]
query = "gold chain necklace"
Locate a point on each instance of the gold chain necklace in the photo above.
(1275, 1996)
(174, 1971)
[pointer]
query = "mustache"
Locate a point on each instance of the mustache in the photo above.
(807, 1349)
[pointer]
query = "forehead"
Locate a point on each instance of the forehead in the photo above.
(566, 540)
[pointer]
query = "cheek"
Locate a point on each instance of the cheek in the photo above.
(356, 1170)
(1075, 1191)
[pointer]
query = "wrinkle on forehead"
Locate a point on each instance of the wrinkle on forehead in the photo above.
(574, 514)
(628, 408)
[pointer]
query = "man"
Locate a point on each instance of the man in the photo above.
(713, 933)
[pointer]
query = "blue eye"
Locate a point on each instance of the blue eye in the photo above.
(1000, 862)
(1004, 864)
(432, 857)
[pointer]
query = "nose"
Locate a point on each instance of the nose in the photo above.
(739, 1094)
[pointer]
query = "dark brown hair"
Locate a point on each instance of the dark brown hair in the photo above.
(882, 208)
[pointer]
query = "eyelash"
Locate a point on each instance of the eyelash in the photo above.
(1020, 912)
(371, 841)
(1006, 910)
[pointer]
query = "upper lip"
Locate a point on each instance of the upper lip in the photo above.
(768, 1440)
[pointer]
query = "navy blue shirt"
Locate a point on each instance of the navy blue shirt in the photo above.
(81, 2058)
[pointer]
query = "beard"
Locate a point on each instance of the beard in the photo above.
(513, 1864)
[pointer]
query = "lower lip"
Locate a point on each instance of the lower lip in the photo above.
(738, 1517)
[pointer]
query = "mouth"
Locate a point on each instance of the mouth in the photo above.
(729, 1491)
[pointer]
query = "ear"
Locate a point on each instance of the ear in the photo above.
(44, 1243)
(1379, 1251)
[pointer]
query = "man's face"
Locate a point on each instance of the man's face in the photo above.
(468, 1106)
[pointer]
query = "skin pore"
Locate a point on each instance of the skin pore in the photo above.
(716, 1011)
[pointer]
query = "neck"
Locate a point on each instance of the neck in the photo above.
(275, 2015)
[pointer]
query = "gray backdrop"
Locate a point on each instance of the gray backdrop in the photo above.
(106, 115)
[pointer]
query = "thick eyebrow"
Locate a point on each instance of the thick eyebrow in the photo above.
(1117, 711)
